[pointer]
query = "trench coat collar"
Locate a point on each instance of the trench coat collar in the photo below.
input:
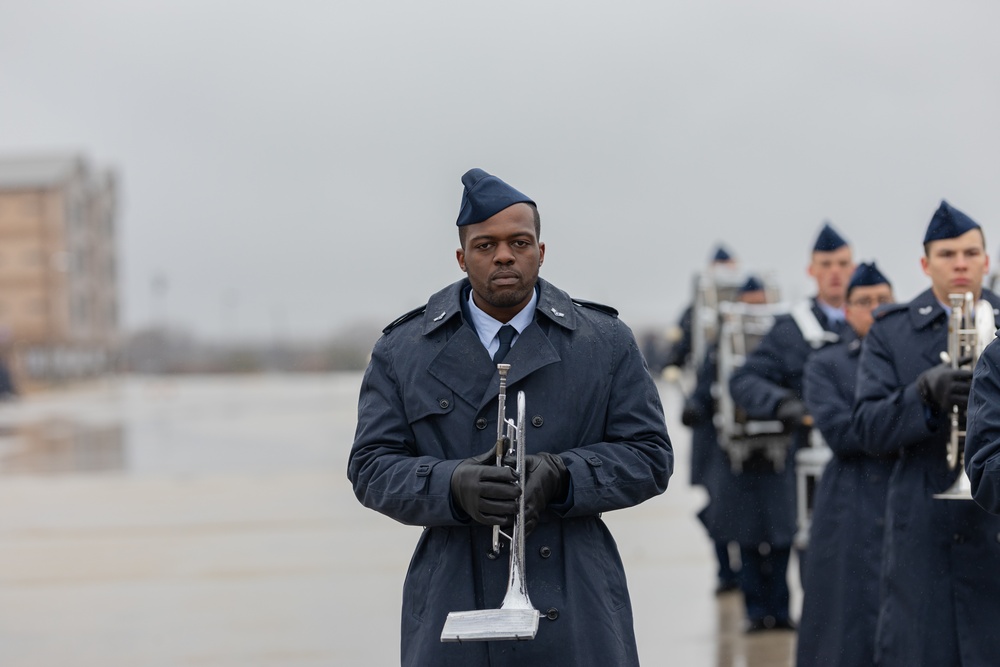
(553, 304)
(925, 309)
(463, 363)
(854, 347)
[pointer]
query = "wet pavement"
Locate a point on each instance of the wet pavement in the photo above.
(208, 522)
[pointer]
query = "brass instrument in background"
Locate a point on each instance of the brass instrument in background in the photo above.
(516, 618)
(970, 328)
(743, 327)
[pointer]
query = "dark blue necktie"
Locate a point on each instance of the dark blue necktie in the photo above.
(506, 335)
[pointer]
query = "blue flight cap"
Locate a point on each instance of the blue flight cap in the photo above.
(753, 284)
(947, 223)
(866, 275)
(828, 239)
(485, 196)
(721, 254)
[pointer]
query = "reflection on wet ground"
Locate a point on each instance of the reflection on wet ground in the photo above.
(738, 649)
(209, 522)
(60, 446)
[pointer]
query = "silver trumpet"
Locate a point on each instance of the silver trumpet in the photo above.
(968, 335)
(516, 618)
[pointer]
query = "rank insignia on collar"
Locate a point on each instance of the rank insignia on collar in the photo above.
(557, 313)
(926, 310)
(443, 312)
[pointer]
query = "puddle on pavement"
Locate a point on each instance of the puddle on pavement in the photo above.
(59, 446)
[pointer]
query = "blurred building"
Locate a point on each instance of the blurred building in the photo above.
(58, 276)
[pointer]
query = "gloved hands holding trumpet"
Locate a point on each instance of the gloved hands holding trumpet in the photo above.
(489, 487)
(489, 493)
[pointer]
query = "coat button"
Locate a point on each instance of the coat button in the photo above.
(481, 423)
(444, 403)
(552, 614)
(545, 552)
(537, 421)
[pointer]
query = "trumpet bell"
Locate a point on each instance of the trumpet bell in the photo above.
(961, 489)
(517, 618)
(488, 625)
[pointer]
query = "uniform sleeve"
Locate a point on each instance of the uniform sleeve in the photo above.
(387, 473)
(757, 385)
(888, 415)
(635, 460)
(982, 439)
(829, 406)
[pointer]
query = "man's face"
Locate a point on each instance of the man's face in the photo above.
(756, 297)
(957, 265)
(832, 272)
(860, 304)
(502, 255)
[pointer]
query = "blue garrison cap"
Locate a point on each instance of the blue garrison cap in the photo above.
(753, 284)
(721, 254)
(828, 239)
(948, 222)
(866, 275)
(485, 196)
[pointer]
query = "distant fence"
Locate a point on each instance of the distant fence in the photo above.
(47, 363)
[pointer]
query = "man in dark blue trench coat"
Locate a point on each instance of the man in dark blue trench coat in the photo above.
(941, 558)
(840, 586)
(710, 466)
(769, 387)
(982, 440)
(427, 423)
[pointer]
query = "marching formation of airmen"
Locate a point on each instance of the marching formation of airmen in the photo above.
(836, 428)
(859, 434)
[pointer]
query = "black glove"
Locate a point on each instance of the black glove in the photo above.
(485, 491)
(691, 415)
(942, 386)
(792, 412)
(546, 480)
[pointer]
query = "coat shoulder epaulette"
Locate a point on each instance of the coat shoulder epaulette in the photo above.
(607, 310)
(406, 317)
(889, 308)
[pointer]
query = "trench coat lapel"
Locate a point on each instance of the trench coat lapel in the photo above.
(533, 350)
(464, 366)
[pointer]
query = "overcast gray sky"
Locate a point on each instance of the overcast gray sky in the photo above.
(293, 168)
